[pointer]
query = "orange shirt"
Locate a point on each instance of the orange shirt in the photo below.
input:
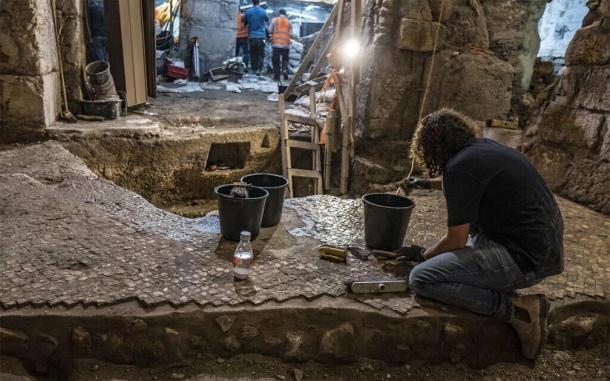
(242, 29)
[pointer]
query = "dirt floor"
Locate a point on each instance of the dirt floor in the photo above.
(591, 364)
(212, 109)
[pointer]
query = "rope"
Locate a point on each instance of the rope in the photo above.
(428, 79)
(435, 47)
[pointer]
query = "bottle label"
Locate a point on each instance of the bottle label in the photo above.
(238, 261)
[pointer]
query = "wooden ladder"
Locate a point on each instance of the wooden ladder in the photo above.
(312, 145)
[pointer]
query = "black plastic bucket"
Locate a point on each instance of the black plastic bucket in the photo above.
(276, 186)
(386, 218)
(238, 214)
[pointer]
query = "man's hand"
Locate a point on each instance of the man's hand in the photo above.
(455, 239)
(412, 253)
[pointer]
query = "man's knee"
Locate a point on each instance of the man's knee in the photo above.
(420, 278)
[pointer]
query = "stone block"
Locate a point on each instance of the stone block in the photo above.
(18, 39)
(467, 24)
(569, 127)
(211, 18)
(435, 6)
(477, 84)
(21, 99)
(604, 8)
(338, 344)
(417, 35)
(590, 46)
(551, 163)
(416, 9)
(587, 182)
(594, 91)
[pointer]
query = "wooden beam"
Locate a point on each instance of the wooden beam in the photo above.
(323, 58)
(348, 130)
(311, 52)
(328, 147)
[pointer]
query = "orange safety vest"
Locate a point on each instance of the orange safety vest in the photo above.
(281, 31)
(242, 29)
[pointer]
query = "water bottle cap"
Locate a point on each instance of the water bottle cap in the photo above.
(245, 235)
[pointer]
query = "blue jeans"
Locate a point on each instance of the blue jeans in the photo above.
(242, 44)
(477, 278)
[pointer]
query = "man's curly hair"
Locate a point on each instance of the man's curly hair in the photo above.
(438, 137)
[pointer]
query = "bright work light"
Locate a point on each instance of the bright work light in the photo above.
(350, 49)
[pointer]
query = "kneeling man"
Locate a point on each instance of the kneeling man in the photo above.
(495, 195)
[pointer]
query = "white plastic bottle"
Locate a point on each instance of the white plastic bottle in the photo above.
(243, 257)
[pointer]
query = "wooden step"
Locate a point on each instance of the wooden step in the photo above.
(303, 145)
(304, 173)
(301, 119)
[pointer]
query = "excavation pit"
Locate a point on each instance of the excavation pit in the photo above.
(112, 277)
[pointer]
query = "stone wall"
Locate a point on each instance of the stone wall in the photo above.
(569, 138)
(483, 65)
(29, 76)
(215, 23)
(29, 80)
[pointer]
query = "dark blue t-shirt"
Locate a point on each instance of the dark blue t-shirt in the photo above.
(255, 18)
(499, 192)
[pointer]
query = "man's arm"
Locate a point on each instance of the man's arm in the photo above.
(455, 239)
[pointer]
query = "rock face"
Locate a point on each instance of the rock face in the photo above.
(483, 65)
(28, 70)
(569, 139)
(29, 76)
(215, 23)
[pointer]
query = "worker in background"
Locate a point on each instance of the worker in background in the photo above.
(255, 19)
(496, 195)
(97, 30)
(281, 30)
(241, 40)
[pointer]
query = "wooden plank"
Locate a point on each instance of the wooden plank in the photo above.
(301, 144)
(317, 83)
(300, 119)
(346, 147)
(317, 159)
(323, 58)
(339, 24)
(499, 123)
(311, 52)
(328, 148)
(305, 173)
(284, 137)
(148, 12)
(312, 103)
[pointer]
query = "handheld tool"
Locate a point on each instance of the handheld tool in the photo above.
(335, 254)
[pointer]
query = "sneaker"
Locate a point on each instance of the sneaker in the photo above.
(532, 333)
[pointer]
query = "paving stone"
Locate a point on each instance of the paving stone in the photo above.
(84, 240)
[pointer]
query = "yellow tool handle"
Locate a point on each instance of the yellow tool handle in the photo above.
(331, 258)
(334, 251)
